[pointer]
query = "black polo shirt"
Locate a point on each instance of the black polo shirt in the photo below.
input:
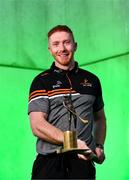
(50, 89)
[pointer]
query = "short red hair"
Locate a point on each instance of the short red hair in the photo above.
(60, 28)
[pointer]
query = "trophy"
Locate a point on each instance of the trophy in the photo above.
(70, 136)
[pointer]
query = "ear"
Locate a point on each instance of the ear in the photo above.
(49, 49)
(75, 46)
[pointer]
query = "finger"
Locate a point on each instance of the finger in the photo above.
(81, 156)
(102, 158)
(99, 159)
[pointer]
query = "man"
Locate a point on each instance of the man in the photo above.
(49, 117)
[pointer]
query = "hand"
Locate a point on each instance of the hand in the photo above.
(82, 145)
(100, 155)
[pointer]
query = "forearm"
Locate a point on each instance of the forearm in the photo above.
(49, 133)
(100, 132)
(44, 130)
(100, 127)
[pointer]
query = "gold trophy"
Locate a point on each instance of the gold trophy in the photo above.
(70, 136)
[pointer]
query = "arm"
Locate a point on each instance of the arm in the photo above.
(100, 133)
(99, 127)
(43, 129)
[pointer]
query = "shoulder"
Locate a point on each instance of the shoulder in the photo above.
(40, 80)
(42, 76)
(88, 74)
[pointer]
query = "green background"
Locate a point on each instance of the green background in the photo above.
(101, 28)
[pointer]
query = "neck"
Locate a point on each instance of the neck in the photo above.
(69, 67)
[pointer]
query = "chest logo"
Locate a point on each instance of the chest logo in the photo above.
(58, 84)
(86, 83)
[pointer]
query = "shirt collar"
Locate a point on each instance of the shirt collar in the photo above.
(58, 70)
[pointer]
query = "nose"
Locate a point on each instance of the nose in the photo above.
(62, 47)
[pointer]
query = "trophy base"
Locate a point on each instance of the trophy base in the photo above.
(70, 144)
(93, 156)
(74, 150)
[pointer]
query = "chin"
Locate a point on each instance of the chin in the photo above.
(65, 62)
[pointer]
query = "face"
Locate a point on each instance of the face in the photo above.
(62, 48)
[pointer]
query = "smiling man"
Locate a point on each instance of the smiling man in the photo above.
(62, 48)
(49, 118)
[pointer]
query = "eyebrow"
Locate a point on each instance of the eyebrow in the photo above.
(54, 42)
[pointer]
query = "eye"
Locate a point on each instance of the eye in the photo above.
(67, 42)
(55, 44)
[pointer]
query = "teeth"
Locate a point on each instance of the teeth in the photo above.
(64, 54)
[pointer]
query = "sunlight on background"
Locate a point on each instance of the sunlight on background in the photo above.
(101, 28)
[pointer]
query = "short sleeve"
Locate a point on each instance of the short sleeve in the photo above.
(38, 97)
(99, 103)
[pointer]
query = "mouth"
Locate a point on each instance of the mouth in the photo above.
(64, 54)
